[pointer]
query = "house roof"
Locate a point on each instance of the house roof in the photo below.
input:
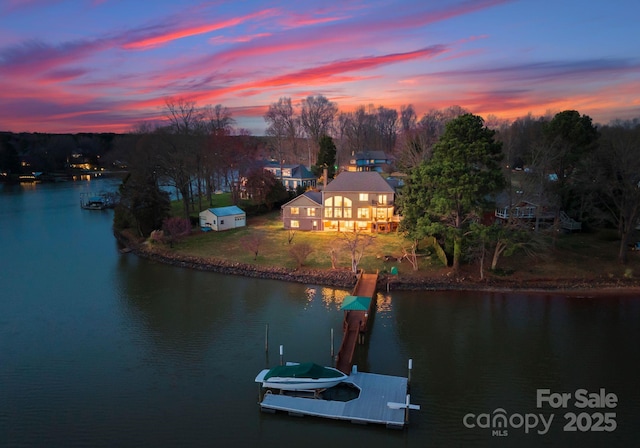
(367, 154)
(359, 181)
(298, 171)
(313, 198)
(227, 211)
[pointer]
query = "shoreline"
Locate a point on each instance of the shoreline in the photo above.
(344, 278)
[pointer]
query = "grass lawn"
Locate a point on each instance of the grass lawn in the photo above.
(275, 246)
(580, 255)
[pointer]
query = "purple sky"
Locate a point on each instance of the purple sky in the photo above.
(108, 65)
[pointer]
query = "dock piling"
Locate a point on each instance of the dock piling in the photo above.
(281, 355)
(332, 343)
(266, 338)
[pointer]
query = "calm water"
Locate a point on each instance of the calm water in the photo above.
(101, 349)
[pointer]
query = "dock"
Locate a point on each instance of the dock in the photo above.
(361, 398)
(356, 320)
(381, 400)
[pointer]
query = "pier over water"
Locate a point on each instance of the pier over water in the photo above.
(358, 308)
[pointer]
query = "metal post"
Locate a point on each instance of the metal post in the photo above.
(410, 368)
(332, 343)
(281, 355)
(266, 338)
(406, 410)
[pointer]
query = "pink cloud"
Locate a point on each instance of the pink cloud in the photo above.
(156, 39)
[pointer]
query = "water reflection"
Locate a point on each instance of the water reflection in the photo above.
(104, 349)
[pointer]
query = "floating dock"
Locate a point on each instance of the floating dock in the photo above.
(382, 399)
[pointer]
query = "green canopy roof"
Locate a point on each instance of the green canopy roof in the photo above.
(356, 303)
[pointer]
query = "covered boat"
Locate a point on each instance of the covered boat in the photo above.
(300, 376)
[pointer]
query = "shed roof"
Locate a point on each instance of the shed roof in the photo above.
(227, 211)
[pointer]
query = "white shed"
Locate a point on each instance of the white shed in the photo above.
(222, 218)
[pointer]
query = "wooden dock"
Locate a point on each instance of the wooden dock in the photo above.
(381, 400)
(355, 323)
(372, 398)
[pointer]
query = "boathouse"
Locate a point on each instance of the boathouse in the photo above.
(222, 218)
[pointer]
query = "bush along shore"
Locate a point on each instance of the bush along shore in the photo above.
(345, 279)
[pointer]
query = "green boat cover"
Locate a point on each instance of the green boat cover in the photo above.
(302, 370)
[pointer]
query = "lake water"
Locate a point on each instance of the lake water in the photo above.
(104, 349)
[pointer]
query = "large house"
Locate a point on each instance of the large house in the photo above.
(292, 176)
(369, 161)
(352, 201)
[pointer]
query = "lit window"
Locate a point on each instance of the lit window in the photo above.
(363, 213)
(328, 212)
(295, 224)
(364, 197)
(382, 199)
(295, 211)
(311, 212)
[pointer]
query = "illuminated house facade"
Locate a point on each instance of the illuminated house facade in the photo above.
(361, 201)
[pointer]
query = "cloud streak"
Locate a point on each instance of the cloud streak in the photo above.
(115, 67)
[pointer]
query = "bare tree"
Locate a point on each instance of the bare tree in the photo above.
(283, 126)
(300, 252)
(176, 228)
(334, 252)
(218, 119)
(252, 243)
(408, 118)
(181, 158)
(317, 117)
(290, 234)
(356, 242)
(416, 144)
(618, 176)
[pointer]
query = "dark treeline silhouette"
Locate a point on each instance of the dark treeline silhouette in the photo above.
(560, 161)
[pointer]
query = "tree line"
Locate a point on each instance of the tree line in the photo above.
(563, 162)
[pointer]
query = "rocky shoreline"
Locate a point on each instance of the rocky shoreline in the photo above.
(344, 278)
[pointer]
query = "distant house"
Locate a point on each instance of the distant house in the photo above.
(304, 212)
(222, 218)
(369, 161)
(352, 201)
(292, 176)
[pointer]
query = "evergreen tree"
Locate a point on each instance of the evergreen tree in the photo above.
(445, 194)
(326, 157)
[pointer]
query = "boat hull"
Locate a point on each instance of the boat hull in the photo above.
(298, 382)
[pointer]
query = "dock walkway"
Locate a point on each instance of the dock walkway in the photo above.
(355, 323)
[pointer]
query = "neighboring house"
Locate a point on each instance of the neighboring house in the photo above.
(292, 176)
(222, 218)
(369, 161)
(304, 212)
(540, 216)
(352, 201)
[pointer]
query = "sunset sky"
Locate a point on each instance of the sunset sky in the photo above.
(107, 65)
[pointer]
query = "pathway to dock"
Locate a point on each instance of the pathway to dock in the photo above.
(355, 322)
